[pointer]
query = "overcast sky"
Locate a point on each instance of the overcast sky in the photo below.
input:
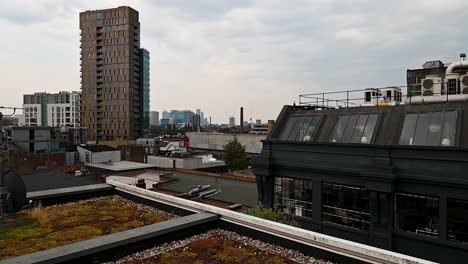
(218, 55)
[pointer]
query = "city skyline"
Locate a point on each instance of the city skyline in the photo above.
(220, 55)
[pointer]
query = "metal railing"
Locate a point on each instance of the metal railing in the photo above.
(357, 98)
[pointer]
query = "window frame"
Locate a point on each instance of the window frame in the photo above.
(369, 114)
(341, 210)
(279, 192)
(424, 233)
(450, 221)
(418, 112)
(298, 118)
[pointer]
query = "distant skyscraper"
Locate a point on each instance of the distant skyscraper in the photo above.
(182, 116)
(202, 119)
(198, 112)
(154, 118)
(232, 122)
(114, 74)
(165, 114)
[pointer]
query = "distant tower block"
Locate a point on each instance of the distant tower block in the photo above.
(242, 120)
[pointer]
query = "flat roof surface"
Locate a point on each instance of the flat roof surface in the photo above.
(121, 165)
(98, 148)
(47, 180)
(231, 191)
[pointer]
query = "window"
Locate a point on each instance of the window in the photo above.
(417, 213)
(355, 128)
(429, 129)
(458, 220)
(300, 128)
(452, 86)
(293, 196)
(345, 205)
(368, 96)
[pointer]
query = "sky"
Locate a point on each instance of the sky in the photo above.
(219, 55)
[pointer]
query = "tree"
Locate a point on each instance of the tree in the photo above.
(234, 155)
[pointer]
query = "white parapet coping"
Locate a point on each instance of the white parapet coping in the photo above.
(318, 240)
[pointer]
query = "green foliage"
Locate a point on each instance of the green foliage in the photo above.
(65, 224)
(235, 155)
(23, 232)
(269, 214)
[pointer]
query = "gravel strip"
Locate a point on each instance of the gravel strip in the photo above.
(225, 235)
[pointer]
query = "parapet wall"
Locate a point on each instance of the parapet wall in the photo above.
(216, 141)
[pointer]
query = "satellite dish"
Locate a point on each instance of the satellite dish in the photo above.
(16, 189)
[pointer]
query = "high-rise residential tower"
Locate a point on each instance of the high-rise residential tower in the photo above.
(114, 74)
(154, 118)
(232, 122)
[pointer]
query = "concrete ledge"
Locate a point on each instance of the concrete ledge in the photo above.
(96, 245)
(325, 242)
(68, 191)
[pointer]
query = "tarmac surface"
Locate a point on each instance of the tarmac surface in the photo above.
(47, 180)
(231, 190)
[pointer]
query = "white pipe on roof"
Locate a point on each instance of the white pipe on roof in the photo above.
(454, 65)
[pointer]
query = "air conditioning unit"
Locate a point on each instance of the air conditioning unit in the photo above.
(431, 85)
(464, 84)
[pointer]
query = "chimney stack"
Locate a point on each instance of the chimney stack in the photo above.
(242, 120)
(271, 123)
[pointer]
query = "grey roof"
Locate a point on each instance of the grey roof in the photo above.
(98, 148)
(121, 165)
(231, 191)
(388, 129)
(46, 180)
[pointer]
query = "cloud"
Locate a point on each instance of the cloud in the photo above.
(218, 55)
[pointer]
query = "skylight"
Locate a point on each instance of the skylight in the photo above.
(357, 128)
(300, 128)
(429, 129)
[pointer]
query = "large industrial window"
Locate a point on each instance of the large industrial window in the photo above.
(429, 129)
(300, 128)
(345, 205)
(417, 213)
(458, 220)
(293, 196)
(355, 128)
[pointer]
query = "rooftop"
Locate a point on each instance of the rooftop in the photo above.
(121, 165)
(98, 148)
(231, 190)
(436, 125)
(47, 179)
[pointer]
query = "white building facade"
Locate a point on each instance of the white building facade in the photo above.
(57, 110)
